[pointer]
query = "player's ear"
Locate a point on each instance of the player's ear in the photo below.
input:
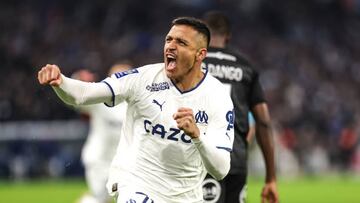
(201, 54)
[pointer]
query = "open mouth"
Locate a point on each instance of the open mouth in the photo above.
(171, 62)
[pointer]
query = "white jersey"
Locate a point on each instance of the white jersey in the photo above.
(104, 132)
(153, 155)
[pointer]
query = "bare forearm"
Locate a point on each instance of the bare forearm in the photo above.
(265, 140)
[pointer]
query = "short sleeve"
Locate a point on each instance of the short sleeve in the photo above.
(256, 92)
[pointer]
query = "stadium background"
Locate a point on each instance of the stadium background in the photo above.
(307, 51)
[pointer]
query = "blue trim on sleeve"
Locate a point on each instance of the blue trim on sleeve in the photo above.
(225, 148)
(113, 95)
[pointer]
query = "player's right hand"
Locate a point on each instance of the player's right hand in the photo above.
(185, 120)
(50, 74)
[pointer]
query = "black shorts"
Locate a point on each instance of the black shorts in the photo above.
(232, 189)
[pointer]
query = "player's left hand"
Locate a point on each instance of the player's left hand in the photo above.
(269, 193)
(185, 120)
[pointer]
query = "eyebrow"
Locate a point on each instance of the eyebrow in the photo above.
(178, 39)
(183, 40)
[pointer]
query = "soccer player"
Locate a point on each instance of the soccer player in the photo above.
(247, 95)
(179, 121)
(101, 143)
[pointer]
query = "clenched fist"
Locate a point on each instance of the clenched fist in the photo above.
(50, 74)
(184, 118)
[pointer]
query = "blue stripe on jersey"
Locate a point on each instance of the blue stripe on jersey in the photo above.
(205, 74)
(225, 148)
(113, 95)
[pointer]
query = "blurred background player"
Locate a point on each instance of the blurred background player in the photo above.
(247, 94)
(101, 143)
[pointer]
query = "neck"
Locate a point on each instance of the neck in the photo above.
(218, 42)
(189, 81)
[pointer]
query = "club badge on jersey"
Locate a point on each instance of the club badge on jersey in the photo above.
(201, 117)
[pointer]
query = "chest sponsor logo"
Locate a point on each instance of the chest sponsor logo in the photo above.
(173, 134)
(201, 117)
(158, 86)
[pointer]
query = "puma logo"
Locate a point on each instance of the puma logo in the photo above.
(157, 103)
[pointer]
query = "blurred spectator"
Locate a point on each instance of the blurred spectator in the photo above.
(347, 147)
